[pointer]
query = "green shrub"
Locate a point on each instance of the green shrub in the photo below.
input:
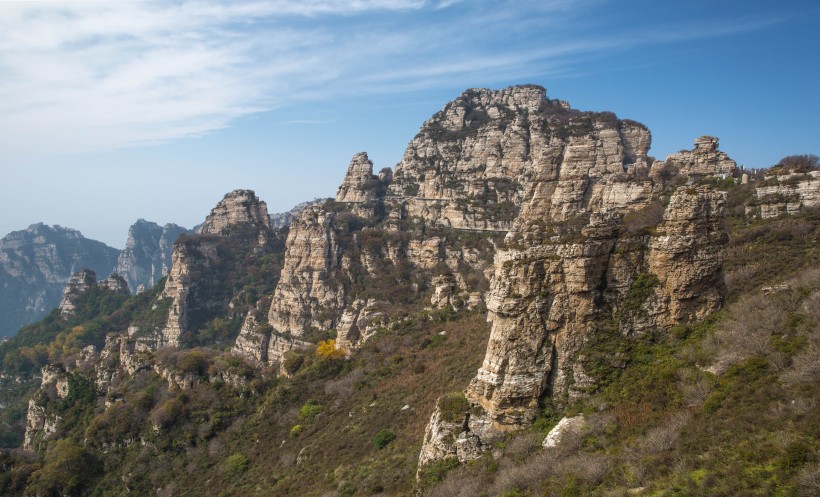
(453, 406)
(309, 411)
(195, 362)
(296, 430)
(236, 463)
(166, 414)
(383, 437)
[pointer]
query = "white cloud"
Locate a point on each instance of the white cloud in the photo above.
(80, 76)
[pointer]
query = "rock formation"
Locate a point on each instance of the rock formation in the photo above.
(788, 193)
(359, 185)
(147, 254)
(239, 207)
(237, 231)
(82, 281)
(592, 252)
(35, 265)
(704, 160)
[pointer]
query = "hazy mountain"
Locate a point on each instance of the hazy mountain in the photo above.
(147, 254)
(35, 265)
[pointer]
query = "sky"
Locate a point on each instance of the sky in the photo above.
(111, 111)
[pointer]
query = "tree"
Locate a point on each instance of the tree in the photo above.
(802, 163)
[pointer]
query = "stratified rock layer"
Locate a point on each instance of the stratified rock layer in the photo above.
(599, 244)
(240, 207)
(788, 193)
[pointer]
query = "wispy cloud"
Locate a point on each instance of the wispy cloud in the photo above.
(79, 76)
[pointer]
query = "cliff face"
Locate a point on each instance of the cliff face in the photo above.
(147, 254)
(239, 207)
(203, 282)
(476, 161)
(306, 290)
(602, 247)
(788, 193)
(35, 265)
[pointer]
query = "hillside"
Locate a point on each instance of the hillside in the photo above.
(525, 263)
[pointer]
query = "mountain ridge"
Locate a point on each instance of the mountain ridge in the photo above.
(269, 355)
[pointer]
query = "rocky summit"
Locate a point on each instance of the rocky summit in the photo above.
(528, 303)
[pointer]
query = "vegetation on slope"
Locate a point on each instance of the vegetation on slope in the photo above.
(727, 406)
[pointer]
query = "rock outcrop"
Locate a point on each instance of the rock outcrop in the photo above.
(78, 284)
(567, 427)
(35, 265)
(788, 193)
(359, 184)
(359, 322)
(82, 281)
(204, 266)
(147, 254)
(41, 423)
(239, 207)
(597, 250)
(704, 160)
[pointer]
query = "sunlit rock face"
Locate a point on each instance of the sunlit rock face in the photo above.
(601, 241)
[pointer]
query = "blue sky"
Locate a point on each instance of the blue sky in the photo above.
(113, 111)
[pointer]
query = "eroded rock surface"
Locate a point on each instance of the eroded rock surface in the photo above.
(81, 282)
(788, 193)
(239, 207)
(601, 245)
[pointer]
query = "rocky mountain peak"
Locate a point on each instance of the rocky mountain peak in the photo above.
(237, 207)
(359, 184)
(703, 160)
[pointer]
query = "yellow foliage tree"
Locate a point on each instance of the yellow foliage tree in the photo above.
(326, 349)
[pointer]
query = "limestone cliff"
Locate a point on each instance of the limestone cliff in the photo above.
(602, 246)
(147, 254)
(788, 193)
(239, 207)
(307, 295)
(83, 280)
(474, 163)
(203, 281)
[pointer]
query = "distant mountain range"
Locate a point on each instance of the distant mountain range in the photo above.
(35, 263)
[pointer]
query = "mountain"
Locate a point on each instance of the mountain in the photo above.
(35, 265)
(527, 304)
(280, 220)
(147, 254)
